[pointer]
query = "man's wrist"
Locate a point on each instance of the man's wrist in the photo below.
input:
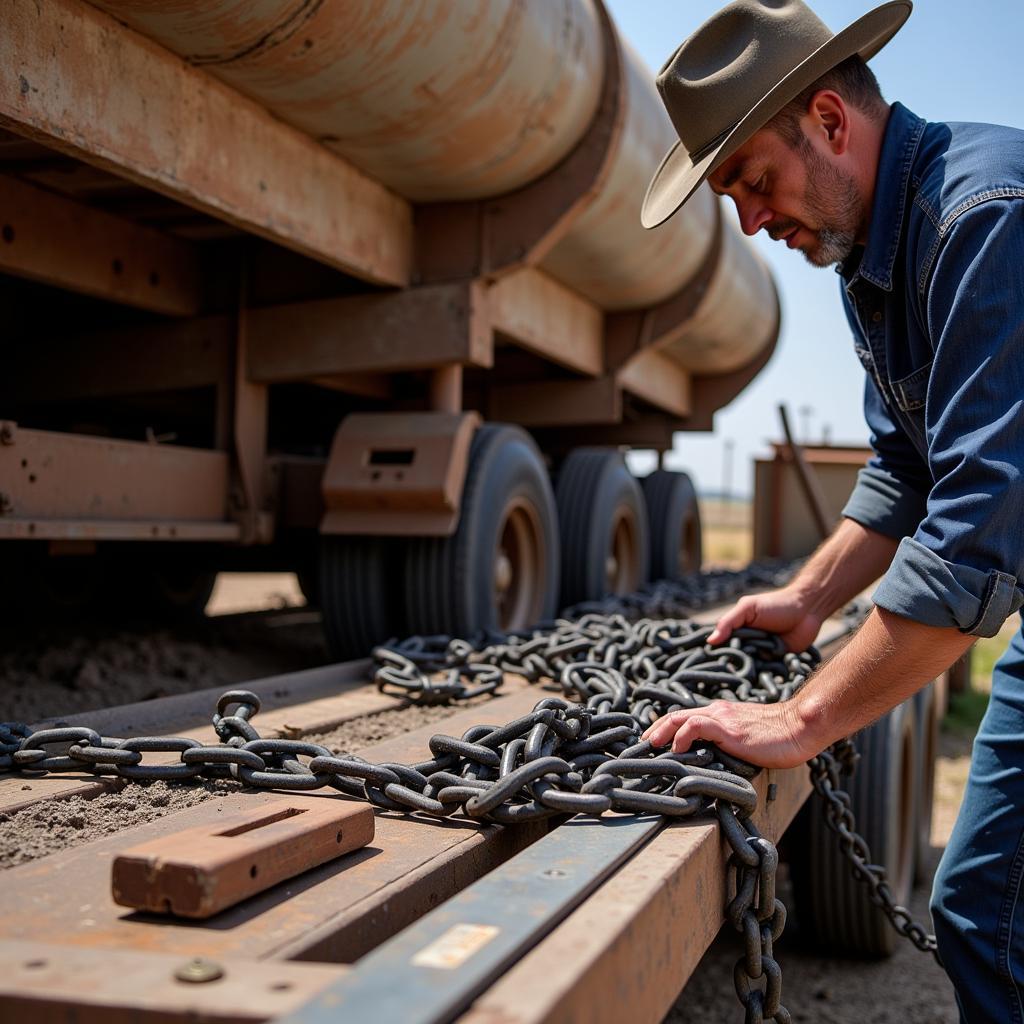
(810, 721)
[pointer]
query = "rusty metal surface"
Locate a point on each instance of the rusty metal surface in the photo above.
(438, 99)
(387, 331)
(736, 319)
(79, 81)
(335, 911)
(53, 984)
(200, 871)
(545, 317)
(627, 951)
(48, 238)
(397, 473)
(48, 475)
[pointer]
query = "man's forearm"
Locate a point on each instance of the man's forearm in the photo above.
(888, 659)
(850, 560)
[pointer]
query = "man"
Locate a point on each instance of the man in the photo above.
(925, 223)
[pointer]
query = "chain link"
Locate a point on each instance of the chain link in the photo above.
(826, 769)
(622, 664)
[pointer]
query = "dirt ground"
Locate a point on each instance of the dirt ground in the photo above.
(77, 666)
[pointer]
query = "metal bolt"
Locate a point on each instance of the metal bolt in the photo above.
(773, 791)
(554, 873)
(199, 970)
(7, 432)
(6, 505)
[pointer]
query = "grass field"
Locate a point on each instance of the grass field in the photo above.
(727, 528)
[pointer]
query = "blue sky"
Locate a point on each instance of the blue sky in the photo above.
(954, 60)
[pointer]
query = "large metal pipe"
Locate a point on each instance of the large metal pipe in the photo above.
(450, 99)
(438, 99)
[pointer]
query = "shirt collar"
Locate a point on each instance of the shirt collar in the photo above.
(899, 147)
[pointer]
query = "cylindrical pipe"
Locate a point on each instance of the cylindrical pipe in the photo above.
(438, 99)
(442, 99)
(736, 319)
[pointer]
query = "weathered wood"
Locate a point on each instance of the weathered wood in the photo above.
(627, 951)
(198, 872)
(388, 331)
(659, 380)
(293, 706)
(48, 475)
(64, 243)
(53, 984)
(80, 81)
(335, 911)
(549, 319)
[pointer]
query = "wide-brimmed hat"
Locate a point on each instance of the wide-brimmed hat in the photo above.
(736, 72)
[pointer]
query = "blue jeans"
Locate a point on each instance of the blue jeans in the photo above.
(977, 899)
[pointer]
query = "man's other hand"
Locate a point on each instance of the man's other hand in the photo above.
(785, 612)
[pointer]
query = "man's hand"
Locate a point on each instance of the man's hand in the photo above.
(785, 612)
(770, 735)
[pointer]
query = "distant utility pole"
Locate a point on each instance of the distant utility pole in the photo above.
(806, 411)
(727, 451)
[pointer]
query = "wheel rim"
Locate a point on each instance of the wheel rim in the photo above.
(519, 566)
(905, 850)
(687, 545)
(622, 565)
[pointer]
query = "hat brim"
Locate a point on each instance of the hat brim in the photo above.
(678, 177)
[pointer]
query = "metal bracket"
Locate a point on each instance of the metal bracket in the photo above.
(397, 474)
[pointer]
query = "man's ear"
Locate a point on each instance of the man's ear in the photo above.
(830, 120)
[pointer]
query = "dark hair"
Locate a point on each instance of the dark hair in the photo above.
(852, 79)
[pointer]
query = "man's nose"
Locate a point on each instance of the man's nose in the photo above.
(753, 216)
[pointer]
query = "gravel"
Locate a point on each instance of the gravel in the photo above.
(63, 668)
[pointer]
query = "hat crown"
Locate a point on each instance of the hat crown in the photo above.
(733, 60)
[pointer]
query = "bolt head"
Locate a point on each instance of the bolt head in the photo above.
(199, 970)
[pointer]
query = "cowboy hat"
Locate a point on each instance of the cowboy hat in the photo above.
(736, 72)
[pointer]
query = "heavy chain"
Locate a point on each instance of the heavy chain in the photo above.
(826, 769)
(622, 667)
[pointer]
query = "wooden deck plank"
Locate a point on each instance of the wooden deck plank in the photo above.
(337, 911)
(79, 81)
(51, 984)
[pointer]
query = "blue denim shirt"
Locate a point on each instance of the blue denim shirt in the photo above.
(936, 304)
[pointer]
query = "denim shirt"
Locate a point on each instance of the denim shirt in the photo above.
(936, 304)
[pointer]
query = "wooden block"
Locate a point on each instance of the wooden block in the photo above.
(200, 871)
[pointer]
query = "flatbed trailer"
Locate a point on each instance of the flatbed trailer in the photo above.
(625, 906)
(273, 274)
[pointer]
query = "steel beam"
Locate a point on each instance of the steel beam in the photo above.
(79, 81)
(415, 329)
(557, 403)
(659, 381)
(434, 969)
(46, 476)
(49, 983)
(547, 318)
(46, 237)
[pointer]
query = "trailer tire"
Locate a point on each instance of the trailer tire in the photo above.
(499, 570)
(833, 908)
(673, 518)
(603, 521)
(359, 577)
(927, 718)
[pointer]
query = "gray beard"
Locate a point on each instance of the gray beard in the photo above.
(835, 199)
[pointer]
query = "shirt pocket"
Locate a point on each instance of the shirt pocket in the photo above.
(910, 393)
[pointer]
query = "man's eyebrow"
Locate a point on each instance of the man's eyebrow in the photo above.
(731, 178)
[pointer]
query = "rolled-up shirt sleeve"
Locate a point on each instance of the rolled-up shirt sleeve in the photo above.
(891, 489)
(963, 564)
